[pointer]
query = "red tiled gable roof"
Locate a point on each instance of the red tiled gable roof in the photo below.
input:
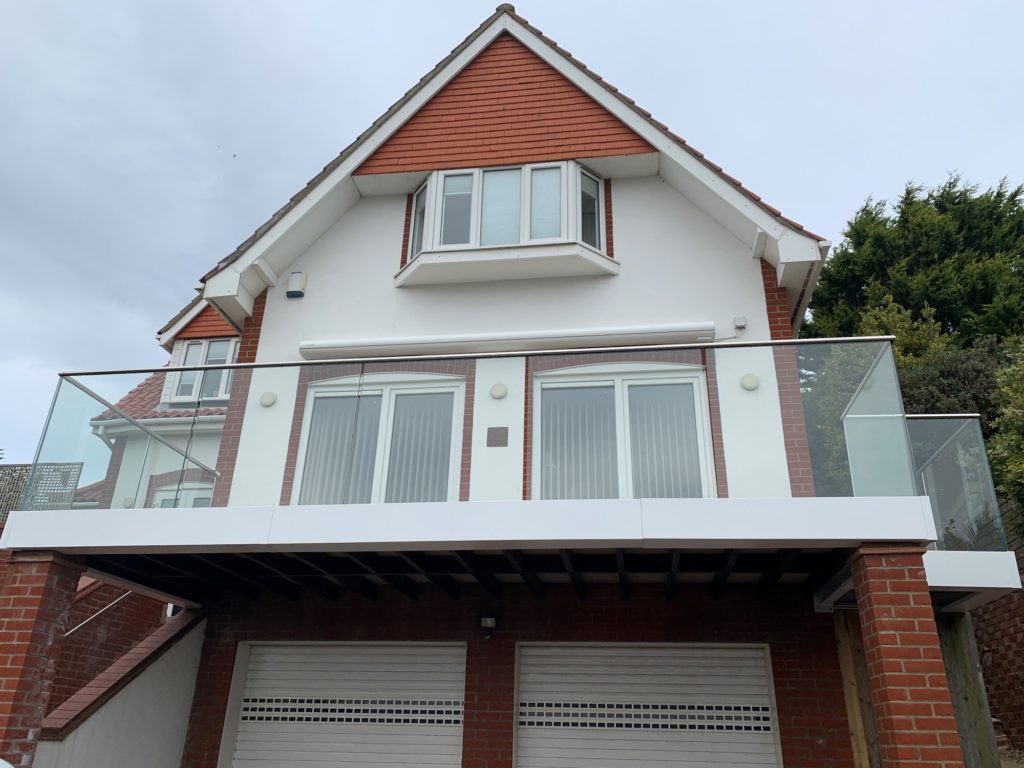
(507, 106)
(144, 400)
(208, 324)
(330, 167)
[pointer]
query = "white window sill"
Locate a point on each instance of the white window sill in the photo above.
(512, 262)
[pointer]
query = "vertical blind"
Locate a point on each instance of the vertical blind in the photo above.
(545, 203)
(578, 445)
(663, 441)
(499, 209)
(341, 450)
(580, 455)
(421, 441)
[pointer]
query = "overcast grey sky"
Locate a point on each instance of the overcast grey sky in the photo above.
(140, 141)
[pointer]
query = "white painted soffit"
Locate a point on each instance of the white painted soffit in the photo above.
(234, 287)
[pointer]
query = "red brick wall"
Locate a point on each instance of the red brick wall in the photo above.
(999, 629)
(777, 304)
(251, 331)
(811, 710)
(507, 106)
(240, 379)
(794, 426)
(35, 601)
(102, 641)
(910, 696)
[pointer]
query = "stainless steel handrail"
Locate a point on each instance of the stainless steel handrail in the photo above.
(478, 355)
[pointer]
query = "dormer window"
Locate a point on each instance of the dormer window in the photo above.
(204, 385)
(541, 203)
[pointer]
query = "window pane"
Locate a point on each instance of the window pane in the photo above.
(419, 212)
(578, 447)
(546, 203)
(589, 226)
(187, 380)
(421, 443)
(341, 450)
(166, 503)
(663, 441)
(499, 213)
(201, 501)
(216, 354)
(456, 208)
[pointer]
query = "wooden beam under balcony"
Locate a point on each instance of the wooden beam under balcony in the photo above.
(574, 576)
(443, 582)
(515, 559)
(486, 580)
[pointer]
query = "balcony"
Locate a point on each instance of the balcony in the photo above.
(623, 455)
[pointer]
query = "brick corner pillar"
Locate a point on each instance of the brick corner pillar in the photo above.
(910, 697)
(35, 600)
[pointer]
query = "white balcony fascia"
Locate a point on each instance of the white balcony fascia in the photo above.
(483, 525)
(986, 576)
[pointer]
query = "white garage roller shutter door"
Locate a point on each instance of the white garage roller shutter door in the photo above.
(352, 705)
(640, 706)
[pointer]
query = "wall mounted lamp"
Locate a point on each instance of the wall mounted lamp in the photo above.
(488, 624)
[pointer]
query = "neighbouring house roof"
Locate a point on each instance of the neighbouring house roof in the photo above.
(143, 402)
(197, 320)
(91, 492)
(705, 182)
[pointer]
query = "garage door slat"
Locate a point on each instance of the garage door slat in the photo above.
(352, 705)
(645, 706)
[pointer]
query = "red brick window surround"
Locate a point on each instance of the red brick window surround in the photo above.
(693, 357)
(466, 369)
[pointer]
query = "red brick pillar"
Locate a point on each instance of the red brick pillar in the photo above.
(35, 600)
(489, 714)
(910, 696)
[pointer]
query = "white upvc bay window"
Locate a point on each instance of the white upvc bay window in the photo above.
(539, 203)
(604, 432)
(391, 439)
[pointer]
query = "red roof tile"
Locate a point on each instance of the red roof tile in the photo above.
(143, 402)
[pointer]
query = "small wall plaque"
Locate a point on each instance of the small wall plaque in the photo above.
(497, 437)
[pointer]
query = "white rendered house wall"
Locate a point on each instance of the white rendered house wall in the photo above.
(677, 266)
